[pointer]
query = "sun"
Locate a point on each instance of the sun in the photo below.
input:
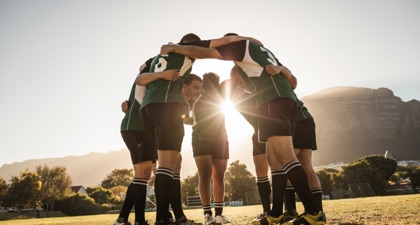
(228, 108)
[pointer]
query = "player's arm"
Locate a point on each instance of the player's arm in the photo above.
(284, 71)
(195, 52)
(229, 39)
(146, 78)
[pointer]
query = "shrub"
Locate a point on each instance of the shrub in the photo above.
(77, 204)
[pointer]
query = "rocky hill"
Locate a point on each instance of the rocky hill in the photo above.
(352, 122)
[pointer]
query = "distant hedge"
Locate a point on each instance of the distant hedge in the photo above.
(78, 204)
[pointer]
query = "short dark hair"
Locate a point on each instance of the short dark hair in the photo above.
(192, 77)
(211, 81)
(230, 34)
(190, 37)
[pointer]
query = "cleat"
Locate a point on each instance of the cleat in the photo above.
(308, 219)
(289, 216)
(121, 223)
(163, 223)
(208, 219)
(185, 221)
(145, 223)
(261, 215)
(221, 220)
(267, 220)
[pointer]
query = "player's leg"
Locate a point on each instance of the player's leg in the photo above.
(261, 170)
(263, 183)
(220, 156)
(204, 167)
(142, 152)
(165, 123)
(305, 157)
(175, 201)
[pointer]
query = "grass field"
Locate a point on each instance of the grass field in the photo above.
(401, 209)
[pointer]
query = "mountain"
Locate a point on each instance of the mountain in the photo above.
(87, 170)
(351, 122)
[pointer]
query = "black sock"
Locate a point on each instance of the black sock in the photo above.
(128, 205)
(140, 190)
(317, 196)
(264, 189)
(207, 209)
(290, 199)
(218, 208)
(279, 180)
(163, 181)
(175, 200)
(299, 180)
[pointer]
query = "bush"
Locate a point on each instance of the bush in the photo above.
(76, 205)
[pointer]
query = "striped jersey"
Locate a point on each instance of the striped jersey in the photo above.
(165, 91)
(252, 59)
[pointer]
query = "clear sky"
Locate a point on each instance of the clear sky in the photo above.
(66, 66)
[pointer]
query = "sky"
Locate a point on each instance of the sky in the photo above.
(66, 66)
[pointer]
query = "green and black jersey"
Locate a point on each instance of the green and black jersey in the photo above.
(209, 121)
(131, 120)
(252, 59)
(165, 91)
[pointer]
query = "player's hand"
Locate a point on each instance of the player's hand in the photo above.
(172, 75)
(124, 106)
(273, 70)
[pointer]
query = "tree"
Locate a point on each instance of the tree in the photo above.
(118, 177)
(3, 190)
(384, 166)
(119, 191)
(25, 191)
(326, 178)
(375, 170)
(55, 184)
(239, 181)
(102, 195)
(190, 187)
(413, 173)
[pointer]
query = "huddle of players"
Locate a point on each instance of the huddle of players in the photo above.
(263, 89)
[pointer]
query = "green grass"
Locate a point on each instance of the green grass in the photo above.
(401, 209)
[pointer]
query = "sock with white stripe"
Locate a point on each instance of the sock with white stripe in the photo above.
(218, 208)
(207, 210)
(140, 190)
(299, 180)
(264, 189)
(317, 195)
(279, 180)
